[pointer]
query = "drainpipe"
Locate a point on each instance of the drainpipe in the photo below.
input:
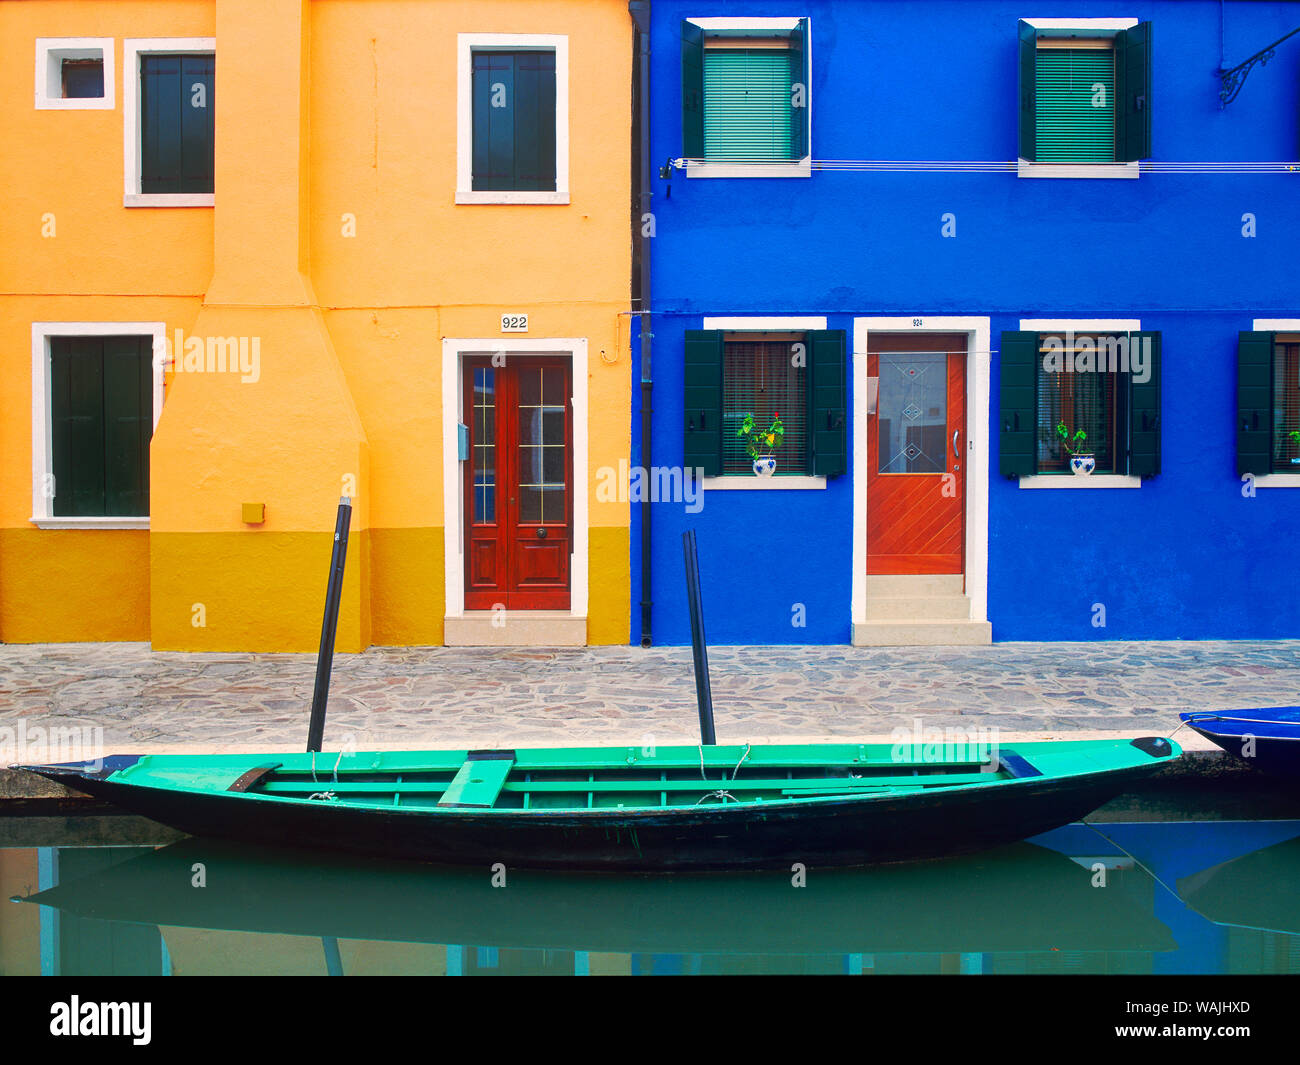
(640, 12)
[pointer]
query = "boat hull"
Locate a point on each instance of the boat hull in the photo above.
(1268, 739)
(853, 831)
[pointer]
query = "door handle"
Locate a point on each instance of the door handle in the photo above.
(955, 453)
(541, 533)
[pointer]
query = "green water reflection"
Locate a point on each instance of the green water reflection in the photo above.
(1189, 897)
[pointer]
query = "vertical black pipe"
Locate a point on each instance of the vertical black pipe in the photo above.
(640, 12)
(703, 694)
(329, 625)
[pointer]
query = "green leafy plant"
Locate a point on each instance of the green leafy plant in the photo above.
(1294, 434)
(760, 442)
(1076, 444)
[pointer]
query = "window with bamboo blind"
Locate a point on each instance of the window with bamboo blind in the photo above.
(1089, 400)
(760, 378)
(1286, 402)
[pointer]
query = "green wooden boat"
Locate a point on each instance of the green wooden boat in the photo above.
(708, 806)
(715, 807)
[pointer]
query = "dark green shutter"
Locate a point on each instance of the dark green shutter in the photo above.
(77, 425)
(514, 145)
(1254, 403)
(1018, 404)
(128, 425)
(800, 74)
(692, 91)
(828, 401)
(1027, 73)
(176, 136)
(702, 401)
(1144, 407)
(101, 415)
(1133, 75)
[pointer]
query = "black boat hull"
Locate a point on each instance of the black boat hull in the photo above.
(850, 832)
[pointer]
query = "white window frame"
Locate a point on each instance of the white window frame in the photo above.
(132, 49)
(721, 27)
(1094, 27)
(50, 53)
(743, 482)
(42, 422)
(1277, 325)
(466, 45)
(1080, 325)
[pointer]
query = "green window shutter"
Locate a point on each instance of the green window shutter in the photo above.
(1133, 75)
(1144, 405)
(176, 123)
(747, 112)
(692, 91)
(513, 105)
(828, 401)
(702, 401)
(800, 75)
(128, 425)
(1254, 403)
(1074, 118)
(1026, 71)
(1018, 404)
(77, 425)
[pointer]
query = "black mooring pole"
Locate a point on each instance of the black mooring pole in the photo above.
(328, 626)
(702, 693)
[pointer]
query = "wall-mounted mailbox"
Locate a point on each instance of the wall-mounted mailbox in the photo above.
(254, 513)
(873, 391)
(462, 442)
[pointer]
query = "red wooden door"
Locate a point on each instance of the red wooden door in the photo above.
(518, 484)
(916, 479)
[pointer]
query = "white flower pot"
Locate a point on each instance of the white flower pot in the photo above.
(765, 465)
(1082, 465)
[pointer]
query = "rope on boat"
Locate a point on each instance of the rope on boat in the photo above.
(720, 794)
(1225, 717)
(327, 795)
(336, 765)
(313, 768)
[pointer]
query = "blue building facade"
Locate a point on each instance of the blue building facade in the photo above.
(927, 234)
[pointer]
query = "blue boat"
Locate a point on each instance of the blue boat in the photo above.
(1267, 738)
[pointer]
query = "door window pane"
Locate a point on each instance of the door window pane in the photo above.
(912, 412)
(542, 445)
(484, 451)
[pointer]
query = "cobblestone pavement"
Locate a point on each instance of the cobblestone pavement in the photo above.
(454, 697)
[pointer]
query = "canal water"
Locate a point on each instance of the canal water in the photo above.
(116, 895)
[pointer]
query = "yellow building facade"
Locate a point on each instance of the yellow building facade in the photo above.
(400, 274)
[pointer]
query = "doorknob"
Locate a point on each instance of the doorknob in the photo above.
(541, 533)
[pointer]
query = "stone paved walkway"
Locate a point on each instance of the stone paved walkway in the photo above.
(453, 697)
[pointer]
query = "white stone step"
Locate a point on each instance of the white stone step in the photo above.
(893, 585)
(918, 608)
(515, 628)
(921, 633)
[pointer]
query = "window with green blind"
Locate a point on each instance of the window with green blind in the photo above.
(1108, 386)
(1074, 120)
(1268, 402)
(101, 419)
(513, 97)
(745, 94)
(747, 113)
(1084, 98)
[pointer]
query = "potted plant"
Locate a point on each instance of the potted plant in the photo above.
(1082, 461)
(761, 443)
(1294, 436)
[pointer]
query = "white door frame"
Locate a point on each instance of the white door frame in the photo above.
(454, 352)
(978, 357)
